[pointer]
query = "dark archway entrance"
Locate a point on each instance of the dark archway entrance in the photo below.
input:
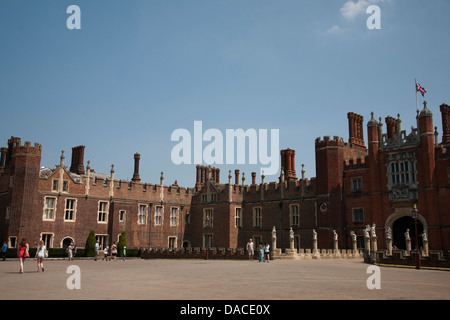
(66, 242)
(398, 232)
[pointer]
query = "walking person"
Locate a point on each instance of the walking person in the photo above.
(261, 252)
(4, 249)
(251, 249)
(114, 251)
(22, 253)
(267, 251)
(74, 250)
(40, 255)
(105, 251)
(97, 250)
(69, 251)
(124, 253)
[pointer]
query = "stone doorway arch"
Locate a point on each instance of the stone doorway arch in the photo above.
(400, 221)
(66, 242)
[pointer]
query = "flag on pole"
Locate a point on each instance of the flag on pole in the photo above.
(420, 89)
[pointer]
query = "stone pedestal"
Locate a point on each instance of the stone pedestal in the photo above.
(408, 247)
(367, 244)
(276, 253)
(373, 244)
(315, 251)
(425, 248)
(336, 248)
(389, 247)
(355, 251)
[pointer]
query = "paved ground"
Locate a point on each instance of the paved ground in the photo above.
(219, 280)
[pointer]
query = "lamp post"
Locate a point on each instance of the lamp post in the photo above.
(415, 215)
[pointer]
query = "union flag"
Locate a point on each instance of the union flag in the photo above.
(420, 89)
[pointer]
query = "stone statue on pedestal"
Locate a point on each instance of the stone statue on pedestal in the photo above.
(388, 233)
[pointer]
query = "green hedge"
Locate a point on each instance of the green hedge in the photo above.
(61, 252)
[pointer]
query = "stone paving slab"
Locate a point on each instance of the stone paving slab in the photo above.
(139, 279)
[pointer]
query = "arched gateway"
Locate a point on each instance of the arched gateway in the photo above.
(400, 221)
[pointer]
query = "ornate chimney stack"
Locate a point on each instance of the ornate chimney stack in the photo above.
(355, 127)
(391, 126)
(445, 113)
(77, 165)
(136, 177)
(288, 164)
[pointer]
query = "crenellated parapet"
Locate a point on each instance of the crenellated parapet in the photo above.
(357, 163)
(327, 142)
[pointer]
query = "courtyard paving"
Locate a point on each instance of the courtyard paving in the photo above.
(137, 279)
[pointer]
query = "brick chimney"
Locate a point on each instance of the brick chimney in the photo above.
(77, 165)
(445, 113)
(288, 164)
(391, 126)
(136, 177)
(355, 127)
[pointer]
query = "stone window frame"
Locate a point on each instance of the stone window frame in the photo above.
(103, 241)
(397, 160)
(361, 212)
(174, 219)
(174, 241)
(257, 217)
(74, 209)
(210, 215)
(55, 185)
(238, 217)
(48, 238)
(55, 202)
(10, 245)
(65, 186)
(210, 237)
(294, 215)
(159, 216)
(122, 215)
(142, 216)
(359, 184)
(104, 213)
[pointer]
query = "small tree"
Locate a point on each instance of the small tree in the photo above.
(90, 245)
(122, 243)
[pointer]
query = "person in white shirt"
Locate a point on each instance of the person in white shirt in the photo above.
(40, 255)
(251, 249)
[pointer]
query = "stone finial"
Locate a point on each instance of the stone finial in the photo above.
(425, 111)
(61, 162)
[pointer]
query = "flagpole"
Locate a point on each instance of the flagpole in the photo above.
(417, 101)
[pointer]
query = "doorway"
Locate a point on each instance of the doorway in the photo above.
(398, 232)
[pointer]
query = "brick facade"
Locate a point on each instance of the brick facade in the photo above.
(356, 184)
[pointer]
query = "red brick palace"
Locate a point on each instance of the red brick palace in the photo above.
(355, 185)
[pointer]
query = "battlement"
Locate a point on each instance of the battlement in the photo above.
(15, 146)
(355, 163)
(327, 142)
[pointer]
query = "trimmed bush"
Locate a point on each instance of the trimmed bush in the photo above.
(89, 249)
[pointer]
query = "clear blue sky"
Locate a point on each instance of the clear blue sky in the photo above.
(138, 70)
